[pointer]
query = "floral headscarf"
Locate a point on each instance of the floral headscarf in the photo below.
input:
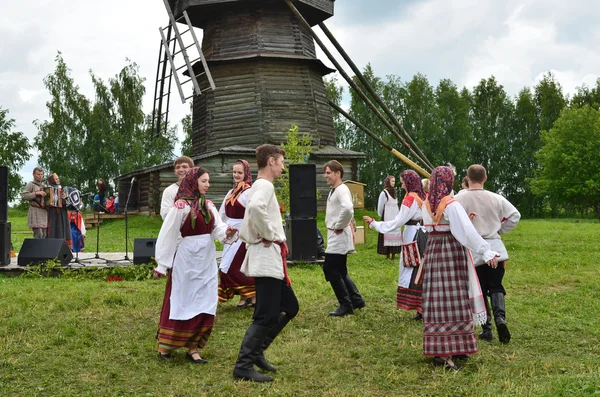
(387, 185)
(241, 185)
(188, 191)
(413, 184)
(442, 181)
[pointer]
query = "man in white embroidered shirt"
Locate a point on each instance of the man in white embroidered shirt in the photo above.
(338, 216)
(181, 166)
(492, 215)
(265, 260)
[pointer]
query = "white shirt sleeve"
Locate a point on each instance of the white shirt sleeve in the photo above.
(258, 210)
(83, 229)
(464, 231)
(220, 227)
(381, 203)
(405, 215)
(510, 217)
(169, 238)
(346, 210)
(167, 201)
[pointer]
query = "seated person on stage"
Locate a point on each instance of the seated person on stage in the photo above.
(110, 204)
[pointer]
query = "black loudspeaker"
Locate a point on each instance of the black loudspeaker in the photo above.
(38, 250)
(303, 191)
(301, 236)
(3, 193)
(143, 250)
(4, 243)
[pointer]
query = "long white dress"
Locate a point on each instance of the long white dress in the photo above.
(387, 208)
(193, 262)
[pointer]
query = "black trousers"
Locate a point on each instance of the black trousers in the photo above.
(335, 266)
(273, 297)
(490, 279)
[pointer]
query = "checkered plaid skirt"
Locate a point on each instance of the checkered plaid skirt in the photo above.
(447, 313)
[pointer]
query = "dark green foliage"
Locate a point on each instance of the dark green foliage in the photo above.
(84, 140)
(569, 162)
(14, 152)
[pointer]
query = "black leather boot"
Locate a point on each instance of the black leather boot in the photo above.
(261, 362)
(341, 292)
(357, 300)
(251, 345)
(500, 317)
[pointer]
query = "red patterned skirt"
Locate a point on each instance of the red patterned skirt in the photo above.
(173, 334)
(447, 314)
(410, 298)
(234, 282)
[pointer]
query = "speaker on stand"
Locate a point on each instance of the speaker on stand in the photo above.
(5, 229)
(301, 224)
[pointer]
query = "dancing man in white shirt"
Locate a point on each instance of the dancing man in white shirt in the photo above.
(492, 215)
(182, 165)
(262, 231)
(338, 214)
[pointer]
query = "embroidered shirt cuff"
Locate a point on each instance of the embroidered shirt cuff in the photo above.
(161, 269)
(489, 255)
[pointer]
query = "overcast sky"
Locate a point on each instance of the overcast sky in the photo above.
(463, 40)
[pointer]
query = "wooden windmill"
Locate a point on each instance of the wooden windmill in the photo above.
(254, 75)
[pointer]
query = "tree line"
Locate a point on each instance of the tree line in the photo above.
(539, 147)
(83, 138)
(522, 140)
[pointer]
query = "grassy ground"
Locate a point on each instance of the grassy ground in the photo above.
(64, 337)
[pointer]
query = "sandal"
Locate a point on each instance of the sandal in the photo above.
(165, 356)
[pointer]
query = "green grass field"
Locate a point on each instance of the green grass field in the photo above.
(68, 337)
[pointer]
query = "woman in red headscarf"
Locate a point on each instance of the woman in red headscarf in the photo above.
(186, 246)
(452, 299)
(389, 243)
(233, 281)
(408, 295)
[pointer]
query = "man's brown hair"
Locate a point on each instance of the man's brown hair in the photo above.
(183, 159)
(36, 169)
(334, 166)
(476, 173)
(265, 152)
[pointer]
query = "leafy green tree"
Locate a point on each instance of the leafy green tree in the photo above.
(378, 162)
(587, 96)
(14, 152)
(187, 148)
(491, 116)
(520, 166)
(85, 140)
(449, 143)
(549, 100)
(335, 93)
(420, 117)
(569, 164)
(61, 141)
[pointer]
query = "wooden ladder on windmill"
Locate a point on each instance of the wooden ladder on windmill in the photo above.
(176, 45)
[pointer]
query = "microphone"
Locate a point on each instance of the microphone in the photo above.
(132, 180)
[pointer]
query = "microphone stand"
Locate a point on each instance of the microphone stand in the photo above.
(127, 221)
(99, 221)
